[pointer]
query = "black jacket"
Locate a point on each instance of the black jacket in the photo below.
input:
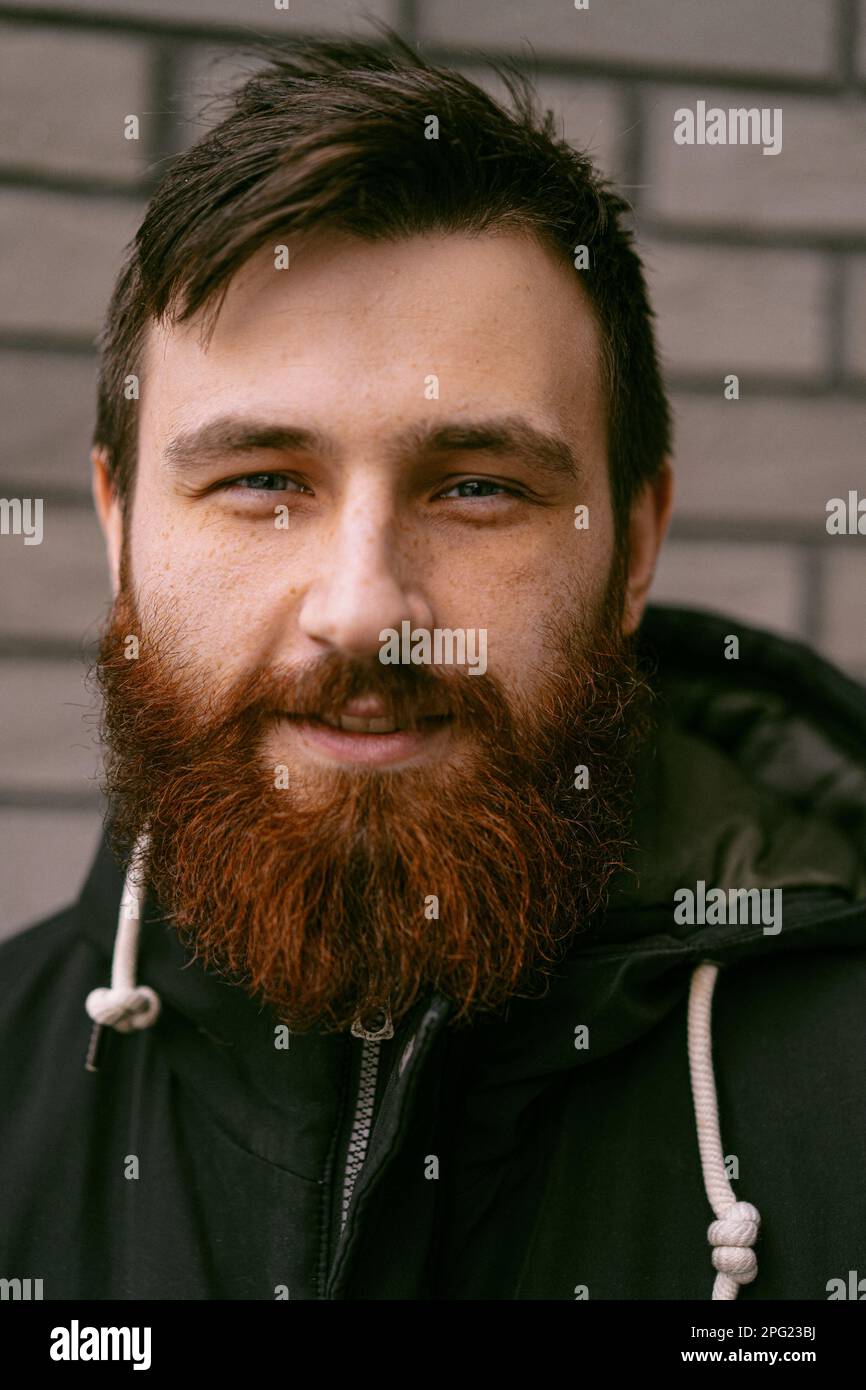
(504, 1161)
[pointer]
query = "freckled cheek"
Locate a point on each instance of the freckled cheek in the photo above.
(218, 590)
(509, 606)
(561, 575)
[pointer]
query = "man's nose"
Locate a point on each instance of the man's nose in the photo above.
(363, 586)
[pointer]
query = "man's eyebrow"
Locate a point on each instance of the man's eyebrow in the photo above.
(233, 434)
(508, 436)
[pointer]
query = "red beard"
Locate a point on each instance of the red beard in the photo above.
(350, 892)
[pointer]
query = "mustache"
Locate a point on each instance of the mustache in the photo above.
(410, 696)
(192, 709)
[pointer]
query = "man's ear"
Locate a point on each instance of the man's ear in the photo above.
(648, 523)
(108, 510)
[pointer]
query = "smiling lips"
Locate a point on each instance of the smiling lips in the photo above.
(368, 715)
(365, 732)
(353, 724)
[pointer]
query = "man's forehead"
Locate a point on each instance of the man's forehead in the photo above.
(479, 310)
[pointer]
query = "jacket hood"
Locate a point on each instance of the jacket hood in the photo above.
(759, 773)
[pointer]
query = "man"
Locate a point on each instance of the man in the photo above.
(435, 843)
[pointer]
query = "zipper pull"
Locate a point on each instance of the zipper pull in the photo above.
(373, 1034)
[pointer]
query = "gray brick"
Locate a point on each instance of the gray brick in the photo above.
(210, 74)
(778, 459)
(817, 182)
(729, 310)
(843, 638)
(48, 736)
(59, 588)
(591, 118)
(307, 16)
(48, 408)
(59, 256)
(855, 316)
(44, 858)
(777, 36)
(64, 98)
(758, 584)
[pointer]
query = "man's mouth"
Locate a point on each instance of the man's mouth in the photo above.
(365, 731)
(384, 724)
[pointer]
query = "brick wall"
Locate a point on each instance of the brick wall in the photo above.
(757, 266)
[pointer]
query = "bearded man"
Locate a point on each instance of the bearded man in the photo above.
(379, 986)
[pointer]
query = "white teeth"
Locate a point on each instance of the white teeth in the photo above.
(353, 725)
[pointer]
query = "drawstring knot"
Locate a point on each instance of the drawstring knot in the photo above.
(732, 1238)
(735, 1230)
(125, 1005)
(123, 1009)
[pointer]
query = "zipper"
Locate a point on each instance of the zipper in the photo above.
(362, 1120)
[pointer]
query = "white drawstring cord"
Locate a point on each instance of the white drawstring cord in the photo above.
(734, 1233)
(125, 1005)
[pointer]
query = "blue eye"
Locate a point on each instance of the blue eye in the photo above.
(264, 482)
(479, 487)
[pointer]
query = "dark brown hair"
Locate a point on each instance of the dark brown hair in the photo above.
(331, 134)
